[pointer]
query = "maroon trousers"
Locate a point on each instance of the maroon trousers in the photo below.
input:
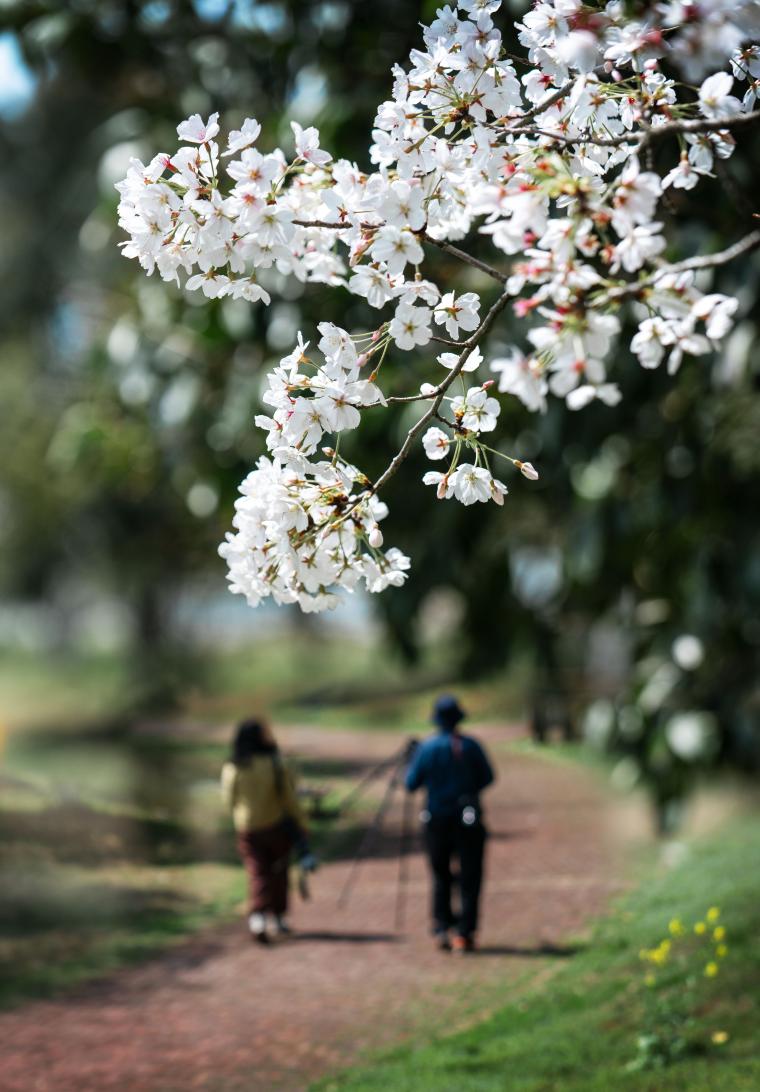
(266, 854)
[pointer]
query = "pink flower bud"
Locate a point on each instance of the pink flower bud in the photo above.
(527, 470)
(442, 487)
(375, 537)
(523, 307)
(488, 383)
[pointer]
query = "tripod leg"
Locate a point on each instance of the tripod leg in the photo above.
(364, 782)
(403, 861)
(370, 834)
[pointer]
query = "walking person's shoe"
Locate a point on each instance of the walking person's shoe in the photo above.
(257, 925)
(462, 944)
(282, 927)
(442, 942)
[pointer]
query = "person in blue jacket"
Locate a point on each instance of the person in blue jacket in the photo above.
(454, 769)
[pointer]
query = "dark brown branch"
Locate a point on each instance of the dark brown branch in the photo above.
(463, 256)
(547, 103)
(704, 261)
(650, 133)
(440, 391)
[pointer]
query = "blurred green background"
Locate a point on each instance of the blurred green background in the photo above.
(618, 598)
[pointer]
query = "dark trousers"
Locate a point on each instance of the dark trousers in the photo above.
(266, 854)
(445, 839)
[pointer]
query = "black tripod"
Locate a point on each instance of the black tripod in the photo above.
(396, 765)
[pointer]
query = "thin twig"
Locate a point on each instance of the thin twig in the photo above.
(650, 133)
(549, 101)
(700, 125)
(454, 251)
(463, 256)
(323, 224)
(447, 341)
(704, 261)
(437, 396)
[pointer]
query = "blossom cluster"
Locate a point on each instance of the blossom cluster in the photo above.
(549, 167)
(303, 533)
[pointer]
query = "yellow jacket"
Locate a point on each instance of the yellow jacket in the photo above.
(254, 797)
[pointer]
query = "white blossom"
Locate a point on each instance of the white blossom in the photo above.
(436, 444)
(715, 98)
(396, 247)
(410, 326)
(475, 410)
(198, 131)
(458, 313)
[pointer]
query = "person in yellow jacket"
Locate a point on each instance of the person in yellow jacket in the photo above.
(260, 792)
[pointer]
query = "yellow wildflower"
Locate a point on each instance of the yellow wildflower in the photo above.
(719, 1037)
(659, 955)
(719, 933)
(721, 951)
(711, 969)
(676, 927)
(700, 928)
(650, 979)
(713, 914)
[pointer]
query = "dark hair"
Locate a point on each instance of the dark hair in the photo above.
(250, 740)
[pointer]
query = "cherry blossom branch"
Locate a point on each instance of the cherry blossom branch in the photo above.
(704, 261)
(496, 161)
(547, 103)
(699, 125)
(650, 133)
(463, 256)
(453, 251)
(437, 395)
(326, 224)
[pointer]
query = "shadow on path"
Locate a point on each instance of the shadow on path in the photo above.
(540, 951)
(346, 938)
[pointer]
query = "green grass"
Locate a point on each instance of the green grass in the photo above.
(578, 1032)
(60, 926)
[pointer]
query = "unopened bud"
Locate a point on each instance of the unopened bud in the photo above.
(488, 383)
(361, 360)
(497, 495)
(375, 537)
(527, 470)
(443, 485)
(328, 451)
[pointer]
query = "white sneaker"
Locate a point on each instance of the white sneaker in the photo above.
(257, 925)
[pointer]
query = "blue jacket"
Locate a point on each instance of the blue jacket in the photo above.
(446, 776)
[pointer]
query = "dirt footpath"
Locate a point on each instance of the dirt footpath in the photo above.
(221, 1015)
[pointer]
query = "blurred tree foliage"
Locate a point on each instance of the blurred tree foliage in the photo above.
(127, 407)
